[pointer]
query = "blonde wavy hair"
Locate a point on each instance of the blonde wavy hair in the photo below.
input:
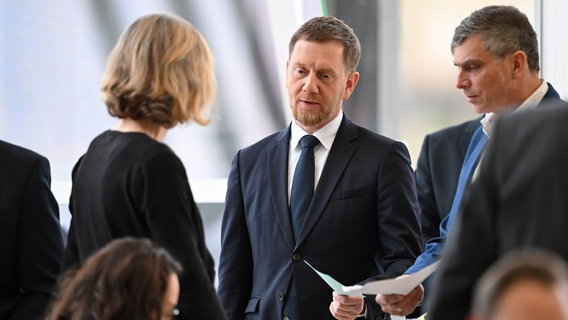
(161, 69)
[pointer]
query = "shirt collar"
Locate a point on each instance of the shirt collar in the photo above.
(325, 135)
(535, 98)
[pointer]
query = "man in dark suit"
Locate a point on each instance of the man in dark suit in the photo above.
(496, 52)
(362, 221)
(519, 200)
(30, 238)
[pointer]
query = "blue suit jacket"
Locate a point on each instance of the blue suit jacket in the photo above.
(362, 223)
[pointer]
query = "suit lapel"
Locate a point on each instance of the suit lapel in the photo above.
(339, 156)
(277, 163)
(468, 134)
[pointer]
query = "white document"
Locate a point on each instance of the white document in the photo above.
(334, 284)
(400, 285)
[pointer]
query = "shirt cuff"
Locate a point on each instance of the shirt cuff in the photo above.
(363, 314)
(421, 298)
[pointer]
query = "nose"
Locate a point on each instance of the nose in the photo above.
(310, 84)
(462, 80)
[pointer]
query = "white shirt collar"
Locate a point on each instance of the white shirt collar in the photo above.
(325, 135)
(535, 98)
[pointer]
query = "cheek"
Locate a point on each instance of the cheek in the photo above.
(293, 87)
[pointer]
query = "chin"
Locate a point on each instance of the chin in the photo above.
(308, 119)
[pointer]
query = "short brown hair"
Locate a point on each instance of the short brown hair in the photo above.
(320, 29)
(161, 69)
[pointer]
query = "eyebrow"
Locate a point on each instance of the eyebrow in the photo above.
(469, 61)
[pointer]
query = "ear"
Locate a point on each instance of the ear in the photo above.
(519, 63)
(352, 80)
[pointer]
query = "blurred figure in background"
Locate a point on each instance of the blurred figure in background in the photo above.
(525, 284)
(129, 183)
(496, 52)
(31, 241)
(126, 279)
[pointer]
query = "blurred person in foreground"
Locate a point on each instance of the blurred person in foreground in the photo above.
(363, 217)
(496, 52)
(518, 200)
(525, 284)
(128, 278)
(31, 241)
(129, 183)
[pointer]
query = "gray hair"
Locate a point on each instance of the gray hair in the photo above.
(504, 29)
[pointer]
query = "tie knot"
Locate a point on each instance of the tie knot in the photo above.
(308, 141)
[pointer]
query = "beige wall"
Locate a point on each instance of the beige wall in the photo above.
(429, 98)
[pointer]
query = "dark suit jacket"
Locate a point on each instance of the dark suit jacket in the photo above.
(438, 171)
(519, 200)
(31, 243)
(362, 222)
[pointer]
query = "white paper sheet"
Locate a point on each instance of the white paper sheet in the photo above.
(400, 285)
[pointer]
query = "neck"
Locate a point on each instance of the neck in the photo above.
(146, 126)
(528, 87)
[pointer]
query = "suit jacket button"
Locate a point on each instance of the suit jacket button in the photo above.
(296, 257)
(280, 296)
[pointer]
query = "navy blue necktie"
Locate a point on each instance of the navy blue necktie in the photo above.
(300, 199)
(303, 183)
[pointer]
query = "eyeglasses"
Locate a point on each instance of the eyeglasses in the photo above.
(173, 315)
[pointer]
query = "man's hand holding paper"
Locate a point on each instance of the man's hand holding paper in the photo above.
(399, 304)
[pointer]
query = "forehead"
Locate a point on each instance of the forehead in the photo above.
(328, 53)
(472, 49)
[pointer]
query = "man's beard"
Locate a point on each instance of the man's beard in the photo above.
(309, 120)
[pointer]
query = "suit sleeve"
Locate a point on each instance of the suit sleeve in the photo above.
(397, 208)
(399, 232)
(39, 245)
(235, 266)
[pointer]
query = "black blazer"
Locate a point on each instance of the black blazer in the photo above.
(518, 200)
(31, 243)
(362, 222)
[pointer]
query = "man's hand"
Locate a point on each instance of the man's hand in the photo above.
(346, 307)
(401, 305)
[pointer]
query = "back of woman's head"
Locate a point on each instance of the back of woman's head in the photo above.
(126, 279)
(161, 69)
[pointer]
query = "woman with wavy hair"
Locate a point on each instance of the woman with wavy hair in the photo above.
(127, 279)
(129, 183)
